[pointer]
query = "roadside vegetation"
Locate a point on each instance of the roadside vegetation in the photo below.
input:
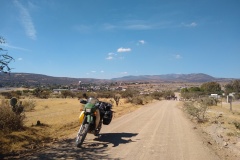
(208, 107)
(198, 100)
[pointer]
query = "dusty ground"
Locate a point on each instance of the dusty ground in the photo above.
(156, 131)
(58, 118)
(220, 127)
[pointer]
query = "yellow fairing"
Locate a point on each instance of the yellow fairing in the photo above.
(81, 117)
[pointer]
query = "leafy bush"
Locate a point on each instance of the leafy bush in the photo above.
(156, 95)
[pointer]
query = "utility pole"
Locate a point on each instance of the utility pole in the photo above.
(229, 100)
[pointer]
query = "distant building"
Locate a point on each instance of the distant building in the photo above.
(58, 91)
(215, 96)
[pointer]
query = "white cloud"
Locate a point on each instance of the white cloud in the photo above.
(112, 54)
(193, 24)
(124, 49)
(177, 56)
(19, 59)
(129, 25)
(14, 47)
(141, 41)
(102, 71)
(93, 71)
(139, 27)
(26, 20)
(109, 58)
(124, 72)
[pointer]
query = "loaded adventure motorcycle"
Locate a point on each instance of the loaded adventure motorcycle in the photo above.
(88, 117)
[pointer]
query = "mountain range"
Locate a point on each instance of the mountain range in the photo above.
(17, 79)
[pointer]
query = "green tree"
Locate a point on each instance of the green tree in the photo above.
(194, 89)
(211, 87)
(233, 86)
(236, 86)
(228, 88)
(157, 95)
(5, 59)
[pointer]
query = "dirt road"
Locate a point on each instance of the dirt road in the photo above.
(156, 131)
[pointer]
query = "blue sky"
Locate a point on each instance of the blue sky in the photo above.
(115, 38)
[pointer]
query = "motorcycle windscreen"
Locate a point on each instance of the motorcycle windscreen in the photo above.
(89, 106)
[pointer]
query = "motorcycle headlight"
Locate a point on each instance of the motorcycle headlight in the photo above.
(88, 110)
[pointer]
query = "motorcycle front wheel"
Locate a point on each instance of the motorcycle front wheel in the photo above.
(82, 134)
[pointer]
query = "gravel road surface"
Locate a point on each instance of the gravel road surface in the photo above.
(158, 131)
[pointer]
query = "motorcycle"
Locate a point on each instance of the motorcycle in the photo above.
(87, 118)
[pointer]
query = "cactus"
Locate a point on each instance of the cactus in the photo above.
(13, 102)
(117, 98)
(18, 109)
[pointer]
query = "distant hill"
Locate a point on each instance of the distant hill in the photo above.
(195, 77)
(29, 79)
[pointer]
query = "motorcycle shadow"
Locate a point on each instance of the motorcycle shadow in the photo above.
(116, 138)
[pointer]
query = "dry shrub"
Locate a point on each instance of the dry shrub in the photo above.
(138, 100)
(198, 108)
(236, 124)
(29, 105)
(148, 99)
(4, 102)
(9, 121)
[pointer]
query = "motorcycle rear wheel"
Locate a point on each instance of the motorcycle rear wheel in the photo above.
(82, 134)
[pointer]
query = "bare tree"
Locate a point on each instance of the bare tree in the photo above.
(5, 59)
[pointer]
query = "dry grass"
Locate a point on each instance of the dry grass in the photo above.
(58, 118)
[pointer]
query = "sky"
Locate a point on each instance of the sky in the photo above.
(114, 38)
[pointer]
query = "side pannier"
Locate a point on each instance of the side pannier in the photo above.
(107, 112)
(107, 118)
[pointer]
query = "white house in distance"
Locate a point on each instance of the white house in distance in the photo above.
(215, 96)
